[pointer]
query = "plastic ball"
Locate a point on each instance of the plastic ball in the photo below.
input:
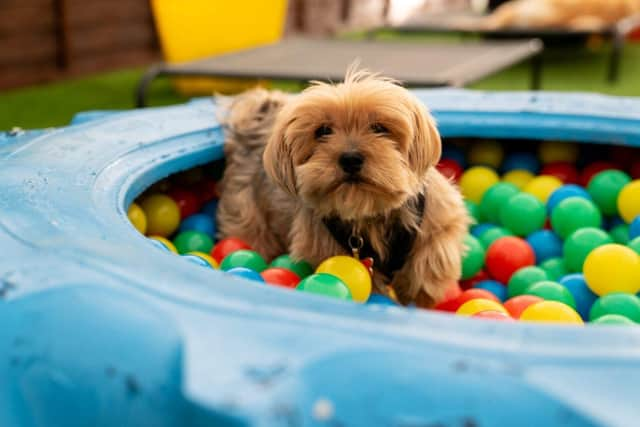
(552, 151)
(506, 256)
(574, 213)
(189, 241)
(244, 258)
(612, 268)
(521, 161)
(580, 243)
(496, 288)
(564, 192)
(546, 244)
(226, 246)
(163, 214)
(620, 234)
(449, 168)
(325, 284)
(551, 312)
(554, 267)
(564, 171)
(493, 315)
(301, 268)
(163, 243)
(635, 245)
(629, 201)
(494, 199)
(516, 305)
(626, 305)
(196, 260)
(518, 177)
(478, 230)
(542, 186)
(352, 272)
(605, 187)
(188, 201)
(522, 214)
(612, 319)
(468, 295)
(523, 278)
(475, 181)
(489, 236)
(474, 306)
(469, 283)
(581, 293)
(280, 277)
(486, 153)
(473, 209)
(245, 273)
(137, 217)
(199, 222)
(551, 291)
(592, 169)
(210, 208)
(634, 228)
(381, 300)
(473, 257)
(212, 262)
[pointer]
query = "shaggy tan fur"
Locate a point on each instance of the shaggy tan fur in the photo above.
(283, 211)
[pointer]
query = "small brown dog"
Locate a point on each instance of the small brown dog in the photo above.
(344, 168)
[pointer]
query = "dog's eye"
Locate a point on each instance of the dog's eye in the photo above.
(379, 128)
(323, 130)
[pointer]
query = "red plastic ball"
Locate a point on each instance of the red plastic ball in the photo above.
(187, 200)
(592, 169)
(564, 171)
(495, 315)
(450, 169)
(468, 295)
(280, 277)
(507, 255)
(470, 283)
(225, 246)
(207, 190)
(449, 299)
(516, 305)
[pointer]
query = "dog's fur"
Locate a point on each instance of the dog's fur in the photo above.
(281, 179)
(575, 14)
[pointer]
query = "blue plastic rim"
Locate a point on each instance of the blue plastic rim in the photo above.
(99, 327)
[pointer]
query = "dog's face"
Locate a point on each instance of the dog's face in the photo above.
(356, 149)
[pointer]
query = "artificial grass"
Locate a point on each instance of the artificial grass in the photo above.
(55, 104)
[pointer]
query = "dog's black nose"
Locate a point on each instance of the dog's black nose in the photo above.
(351, 162)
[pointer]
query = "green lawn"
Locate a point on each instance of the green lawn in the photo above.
(55, 104)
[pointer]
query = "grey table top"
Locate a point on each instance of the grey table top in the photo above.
(413, 63)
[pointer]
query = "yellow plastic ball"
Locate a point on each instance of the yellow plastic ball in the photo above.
(552, 151)
(212, 262)
(137, 217)
(477, 305)
(542, 186)
(475, 181)
(163, 214)
(629, 201)
(551, 312)
(168, 243)
(352, 272)
(612, 268)
(518, 177)
(488, 153)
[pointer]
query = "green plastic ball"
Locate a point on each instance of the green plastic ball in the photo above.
(613, 319)
(604, 188)
(190, 241)
(523, 214)
(551, 291)
(554, 268)
(523, 278)
(473, 258)
(620, 234)
(494, 199)
(573, 213)
(244, 258)
(325, 284)
(627, 305)
(301, 268)
(635, 245)
(474, 211)
(580, 243)
(491, 235)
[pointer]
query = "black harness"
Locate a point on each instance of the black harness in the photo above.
(400, 240)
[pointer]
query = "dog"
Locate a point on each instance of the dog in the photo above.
(345, 168)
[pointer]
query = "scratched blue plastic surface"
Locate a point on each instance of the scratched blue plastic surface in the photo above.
(100, 328)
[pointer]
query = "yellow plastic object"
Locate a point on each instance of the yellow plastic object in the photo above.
(478, 305)
(163, 214)
(551, 312)
(168, 243)
(475, 181)
(195, 29)
(212, 262)
(518, 177)
(629, 201)
(542, 186)
(137, 217)
(612, 268)
(352, 272)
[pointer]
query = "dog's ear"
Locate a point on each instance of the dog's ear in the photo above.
(426, 147)
(278, 157)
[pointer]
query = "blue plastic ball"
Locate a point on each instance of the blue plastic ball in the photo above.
(245, 273)
(200, 222)
(496, 288)
(380, 299)
(526, 161)
(634, 228)
(210, 208)
(583, 296)
(546, 244)
(477, 230)
(564, 192)
(454, 153)
(196, 260)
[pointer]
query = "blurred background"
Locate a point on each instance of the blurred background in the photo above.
(58, 57)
